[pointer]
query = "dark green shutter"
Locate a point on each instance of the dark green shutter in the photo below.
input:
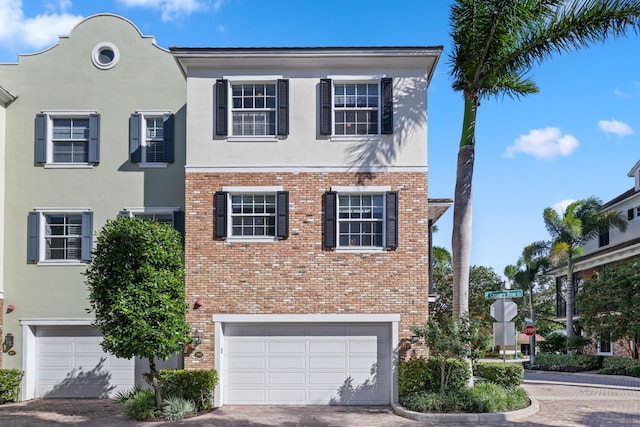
(220, 200)
(325, 107)
(87, 236)
(221, 107)
(387, 106)
(41, 138)
(33, 237)
(391, 220)
(330, 219)
(168, 134)
(135, 133)
(283, 107)
(94, 138)
(282, 214)
(178, 223)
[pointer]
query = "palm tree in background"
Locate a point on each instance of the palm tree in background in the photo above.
(495, 45)
(581, 221)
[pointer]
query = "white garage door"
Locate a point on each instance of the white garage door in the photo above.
(340, 364)
(71, 363)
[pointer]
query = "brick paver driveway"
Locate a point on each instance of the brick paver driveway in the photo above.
(565, 400)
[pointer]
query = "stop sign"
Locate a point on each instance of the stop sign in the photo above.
(529, 330)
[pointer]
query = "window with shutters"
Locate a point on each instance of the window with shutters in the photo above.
(256, 109)
(67, 139)
(60, 237)
(356, 107)
(151, 135)
(252, 213)
(361, 218)
(162, 215)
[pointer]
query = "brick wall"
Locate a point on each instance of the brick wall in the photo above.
(298, 275)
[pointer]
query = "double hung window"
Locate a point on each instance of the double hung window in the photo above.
(151, 135)
(361, 218)
(356, 107)
(67, 139)
(171, 216)
(60, 236)
(254, 213)
(255, 108)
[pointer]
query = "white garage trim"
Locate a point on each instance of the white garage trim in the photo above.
(392, 320)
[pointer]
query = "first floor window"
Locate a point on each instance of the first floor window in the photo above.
(246, 214)
(67, 138)
(604, 345)
(361, 220)
(60, 236)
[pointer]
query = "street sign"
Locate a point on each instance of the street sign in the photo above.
(504, 310)
(514, 293)
(504, 333)
(529, 330)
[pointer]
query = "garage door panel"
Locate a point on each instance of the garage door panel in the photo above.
(287, 378)
(278, 346)
(307, 364)
(56, 347)
(246, 363)
(56, 362)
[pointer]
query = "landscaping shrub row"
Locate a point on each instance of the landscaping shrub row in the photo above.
(506, 375)
(621, 366)
(566, 362)
(10, 384)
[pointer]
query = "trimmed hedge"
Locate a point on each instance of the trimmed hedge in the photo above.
(506, 375)
(620, 366)
(419, 374)
(10, 384)
(194, 385)
(567, 362)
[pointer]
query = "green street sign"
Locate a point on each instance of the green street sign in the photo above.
(516, 293)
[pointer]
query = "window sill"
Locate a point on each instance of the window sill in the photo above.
(356, 138)
(58, 263)
(251, 239)
(354, 250)
(152, 165)
(266, 138)
(69, 165)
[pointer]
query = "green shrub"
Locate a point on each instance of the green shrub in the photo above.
(620, 366)
(567, 362)
(194, 385)
(10, 384)
(176, 408)
(413, 375)
(483, 397)
(124, 395)
(141, 405)
(506, 375)
(458, 377)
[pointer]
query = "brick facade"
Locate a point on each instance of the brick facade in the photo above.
(298, 275)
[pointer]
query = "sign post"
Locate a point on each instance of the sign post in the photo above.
(503, 311)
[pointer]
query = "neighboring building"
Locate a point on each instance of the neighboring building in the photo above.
(307, 218)
(610, 247)
(96, 128)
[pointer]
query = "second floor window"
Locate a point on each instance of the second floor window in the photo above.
(253, 110)
(70, 140)
(151, 136)
(67, 139)
(355, 108)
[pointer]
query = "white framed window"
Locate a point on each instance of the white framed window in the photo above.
(105, 55)
(356, 107)
(361, 218)
(605, 347)
(172, 216)
(60, 237)
(257, 108)
(67, 138)
(151, 136)
(252, 213)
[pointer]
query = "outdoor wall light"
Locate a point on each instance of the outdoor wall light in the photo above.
(198, 303)
(8, 342)
(196, 337)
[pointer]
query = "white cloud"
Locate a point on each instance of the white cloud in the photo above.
(41, 31)
(618, 93)
(544, 143)
(616, 127)
(561, 206)
(172, 9)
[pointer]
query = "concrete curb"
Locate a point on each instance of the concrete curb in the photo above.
(530, 410)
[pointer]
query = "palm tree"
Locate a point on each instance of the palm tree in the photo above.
(526, 273)
(581, 221)
(495, 45)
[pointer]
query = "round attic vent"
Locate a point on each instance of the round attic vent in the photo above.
(105, 55)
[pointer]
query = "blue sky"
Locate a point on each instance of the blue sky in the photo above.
(576, 138)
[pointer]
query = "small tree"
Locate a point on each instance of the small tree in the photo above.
(136, 285)
(609, 305)
(447, 339)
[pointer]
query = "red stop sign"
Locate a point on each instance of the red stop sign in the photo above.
(530, 330)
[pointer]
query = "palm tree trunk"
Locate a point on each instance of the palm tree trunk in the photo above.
(461, 236)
